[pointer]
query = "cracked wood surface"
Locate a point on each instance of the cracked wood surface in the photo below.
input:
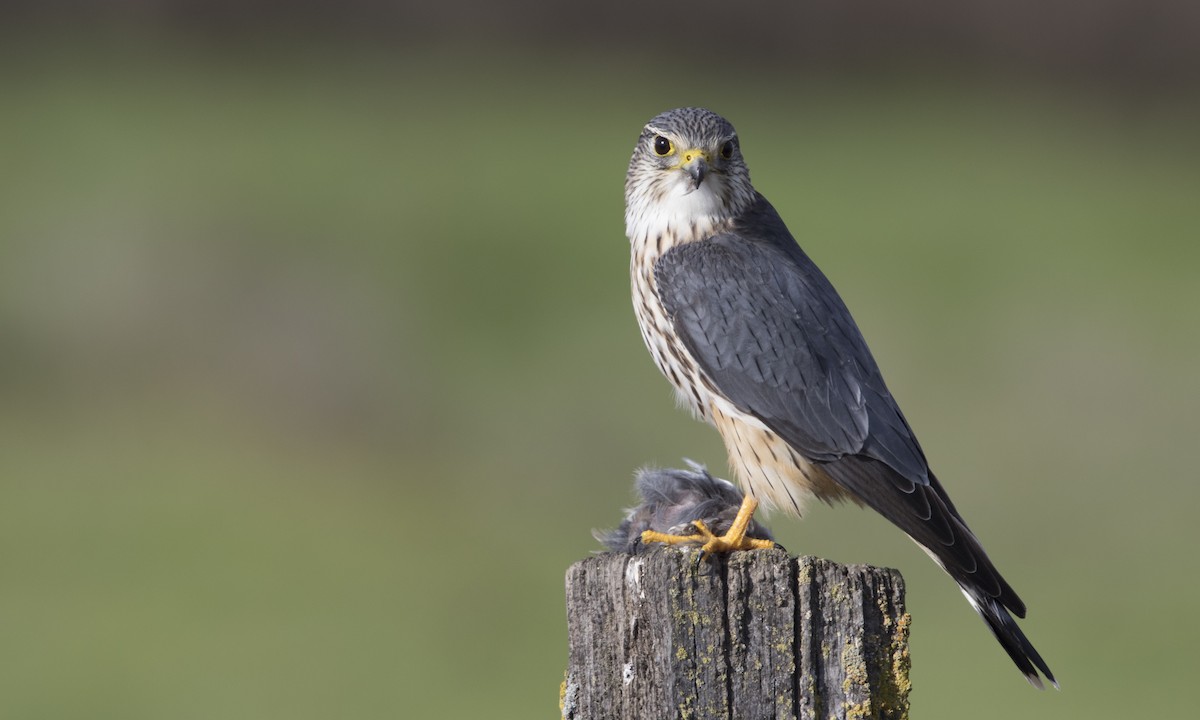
(751, 636)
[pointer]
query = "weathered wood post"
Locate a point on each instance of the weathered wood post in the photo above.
(665, 634)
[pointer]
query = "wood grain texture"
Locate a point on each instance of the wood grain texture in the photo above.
(751, 636)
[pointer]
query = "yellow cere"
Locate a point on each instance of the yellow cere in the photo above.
(688, 156)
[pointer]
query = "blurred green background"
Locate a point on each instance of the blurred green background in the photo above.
(318, 367)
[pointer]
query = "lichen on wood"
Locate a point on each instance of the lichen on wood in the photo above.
(667, 633)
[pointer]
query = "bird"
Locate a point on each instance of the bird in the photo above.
(678, 503)
(756, 341)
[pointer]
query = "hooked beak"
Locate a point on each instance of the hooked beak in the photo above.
(695, 164)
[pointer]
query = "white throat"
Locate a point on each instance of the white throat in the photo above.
(679, 211)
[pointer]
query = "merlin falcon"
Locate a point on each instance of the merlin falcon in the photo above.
(756, 341)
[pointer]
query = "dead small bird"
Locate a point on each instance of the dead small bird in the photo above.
(679, 503)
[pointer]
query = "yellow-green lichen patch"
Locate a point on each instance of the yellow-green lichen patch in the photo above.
(895, 687)
(855, 667)
(804, 574)
(837, 591)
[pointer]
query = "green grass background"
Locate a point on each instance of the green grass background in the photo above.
(319, 367)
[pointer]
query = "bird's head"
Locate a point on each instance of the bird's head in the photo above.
(686, 170)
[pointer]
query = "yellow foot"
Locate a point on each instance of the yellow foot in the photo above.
(735, 539)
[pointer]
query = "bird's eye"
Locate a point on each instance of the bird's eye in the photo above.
(727, 149)
(662, 146)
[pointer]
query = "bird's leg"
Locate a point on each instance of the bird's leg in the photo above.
(734, 539)
(654, 536)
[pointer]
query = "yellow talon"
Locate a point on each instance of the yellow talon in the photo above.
(734, 539)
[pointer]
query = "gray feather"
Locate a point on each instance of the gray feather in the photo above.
(671, 500)
(770, 331)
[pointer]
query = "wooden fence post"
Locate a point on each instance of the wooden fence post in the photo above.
(665, 635)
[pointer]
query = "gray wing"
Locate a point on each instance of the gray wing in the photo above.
(775, 338)
(770, 330)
